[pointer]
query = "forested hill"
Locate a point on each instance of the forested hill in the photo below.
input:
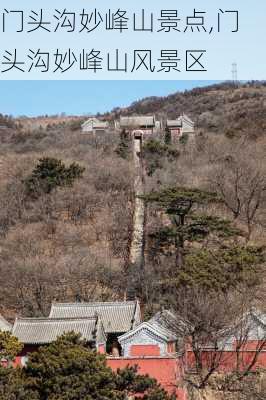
(67, 203)
(225, 108)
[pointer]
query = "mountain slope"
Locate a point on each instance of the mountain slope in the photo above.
(224, 108)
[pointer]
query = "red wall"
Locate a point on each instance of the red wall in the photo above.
(138, 350)
(175, 131)
(25, 351)
(168, 370)
(228, 360)
(165, 369)
(101, 349)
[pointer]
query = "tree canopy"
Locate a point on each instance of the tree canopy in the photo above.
(68, 369)
(50, 173)
(9, 346)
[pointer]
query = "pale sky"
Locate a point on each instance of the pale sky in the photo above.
(33, 98)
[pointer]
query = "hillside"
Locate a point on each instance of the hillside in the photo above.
(73, 242)
(222, 108)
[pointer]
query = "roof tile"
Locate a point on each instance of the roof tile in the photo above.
(117, 317)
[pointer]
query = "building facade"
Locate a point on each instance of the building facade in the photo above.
(155, 346)
(180, 126)
(146, 123)
(94, 125)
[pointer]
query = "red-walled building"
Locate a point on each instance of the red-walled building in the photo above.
(152, 347)
(36, 332)
(115, 328)
(146, 123)
(180, 126)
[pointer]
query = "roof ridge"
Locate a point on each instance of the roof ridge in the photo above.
(156, 329)
(46, 319)
(96, 303)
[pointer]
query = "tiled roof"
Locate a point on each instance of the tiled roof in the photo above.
(4, 325)
(169, 321)
(137, 121)
(179, 122)
(45, 330)
(260, 316)
(166, 322)
(154, 328)
(96, 123)
(184, 118)
(172, 123)
(117, 317)
(256, 325)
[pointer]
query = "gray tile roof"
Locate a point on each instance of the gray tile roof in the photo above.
(45, 330)
(259, 316)
(165, 322)
(97, 124)
(137, 121)
(256, 324)
(117, 317)
(169, 321)
(163, 331)
(185, 120)
(154, 328)
(172, 123)
(4, 325)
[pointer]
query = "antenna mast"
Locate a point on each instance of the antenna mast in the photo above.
(234, 73)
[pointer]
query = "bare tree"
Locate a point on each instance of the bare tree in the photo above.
(210, 323)
(239, 178)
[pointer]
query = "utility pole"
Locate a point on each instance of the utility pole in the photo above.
(234, 73)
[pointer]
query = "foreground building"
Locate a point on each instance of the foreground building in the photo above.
(36, 332)
(156, 346)
(114, 328)
(117, 318)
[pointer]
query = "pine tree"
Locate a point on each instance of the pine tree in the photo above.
(168, 136)
(9, 346)
(223, 263)
(69, 370)
(181, 204)
(123, 149)
(50, 173)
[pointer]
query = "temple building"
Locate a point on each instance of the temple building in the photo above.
(36, 332)
(117, 318)
(180, 126)
(94, 125)
(146, 123)
(159, 346)
(148, 339)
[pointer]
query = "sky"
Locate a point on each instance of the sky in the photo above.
(33, 98)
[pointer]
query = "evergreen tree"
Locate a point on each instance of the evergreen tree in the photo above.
(188, 223)
(167, 136)
(68, 370)
(12, 385)
(154, 154)
(9, 346)
(50, 173)
(11, 379)
(123, 149)
(205, 247)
